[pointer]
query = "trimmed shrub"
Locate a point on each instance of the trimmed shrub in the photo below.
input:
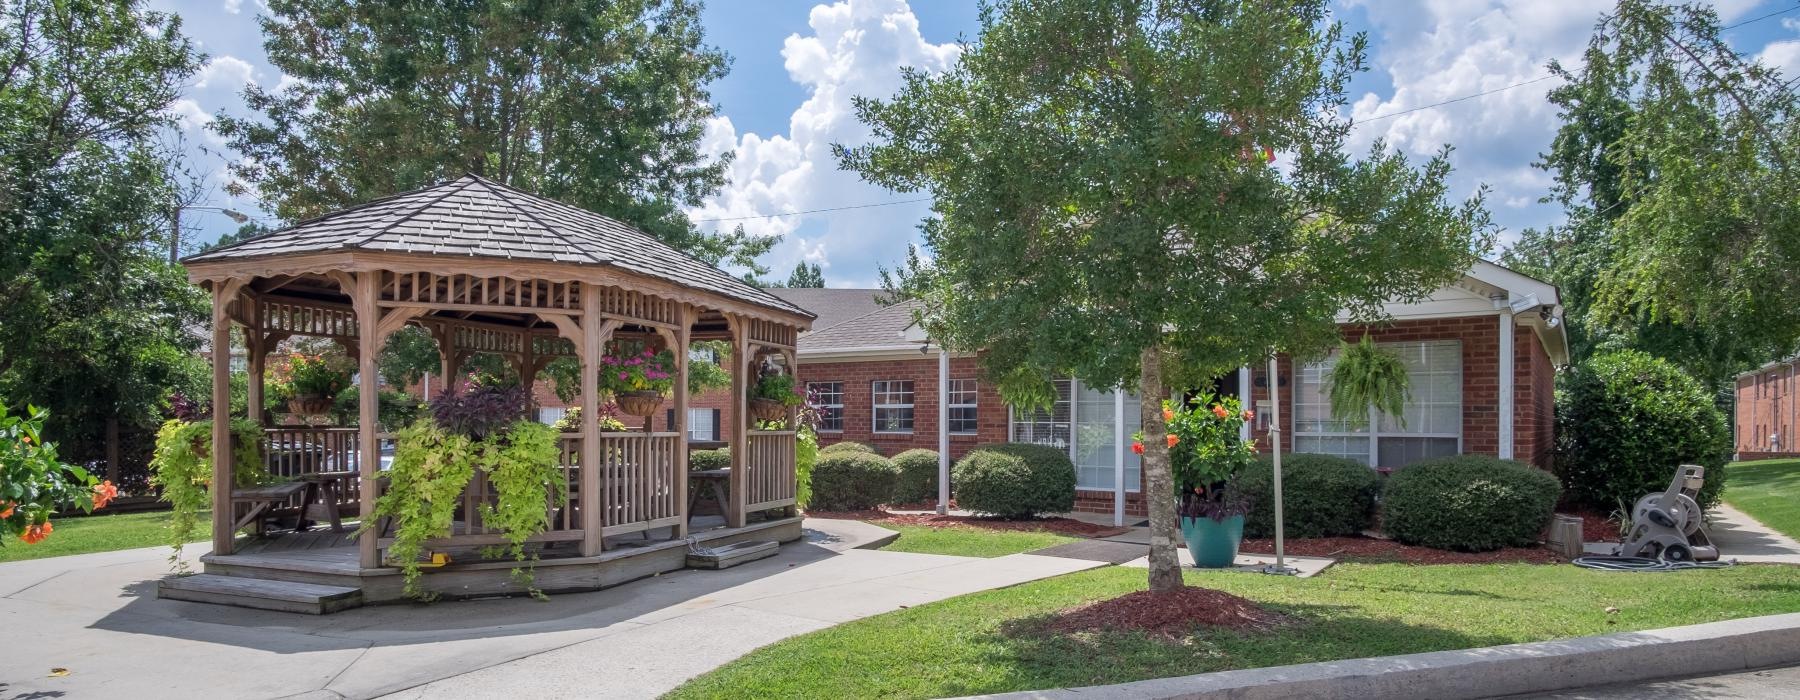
(710, 459)
(847, 446)
(1321, 496)
(1625, 420)
(1468, 503)
(1015, 480)
(918, 476)
(852, 480)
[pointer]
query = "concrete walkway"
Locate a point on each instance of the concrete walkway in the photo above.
(96, 615)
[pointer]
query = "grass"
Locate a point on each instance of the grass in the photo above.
(1769, 490)
(969, 541)
(99, 533)
(984, 643)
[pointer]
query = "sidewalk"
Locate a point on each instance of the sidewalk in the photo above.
(97, 616)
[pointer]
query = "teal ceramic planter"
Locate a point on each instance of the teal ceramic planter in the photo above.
(1214, 543)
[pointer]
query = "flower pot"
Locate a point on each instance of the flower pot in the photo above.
(1213, 543)
(310, 406)
(639, 403)
(768, 410)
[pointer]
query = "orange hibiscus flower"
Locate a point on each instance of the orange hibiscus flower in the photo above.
(104, 493)
(1173, 438)
(1221, 412)
(1137, 447)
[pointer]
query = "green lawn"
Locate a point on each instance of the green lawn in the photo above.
(1768, 490)
(969, 541)
(98, 533)
(984, 643)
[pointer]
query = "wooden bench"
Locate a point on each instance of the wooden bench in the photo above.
(263, 499)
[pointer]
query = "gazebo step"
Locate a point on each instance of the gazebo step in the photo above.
(262, 594)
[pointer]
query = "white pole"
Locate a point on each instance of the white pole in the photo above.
(943, 504)
(1119, 439)
(1275, 445)
(1244, 400)
(1506, 380)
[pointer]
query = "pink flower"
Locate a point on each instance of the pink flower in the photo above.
(624, 376)
(649, 353)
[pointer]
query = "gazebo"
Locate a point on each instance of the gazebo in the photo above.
(488, 268)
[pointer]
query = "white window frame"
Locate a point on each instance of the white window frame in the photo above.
(972, 389)
(560, 412)
(1074, 423)
(839, 406)
(694, 422)
(1373, 432)
(877, 389)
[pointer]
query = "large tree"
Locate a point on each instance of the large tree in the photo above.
(1676, 164)
(1106, 205)
(598, 103)
(95, 317)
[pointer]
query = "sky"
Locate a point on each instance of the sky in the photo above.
(796, 64)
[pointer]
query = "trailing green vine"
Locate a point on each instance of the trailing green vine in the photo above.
(181, 468)
(521, 464)
(1366, 375)
(430, 470)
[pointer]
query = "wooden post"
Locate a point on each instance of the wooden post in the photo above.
(590, 347)
(223, 292)
(737, 514)
(256, 347)
(368, 324)
(680, 426)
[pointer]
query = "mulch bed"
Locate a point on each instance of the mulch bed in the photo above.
(1371, 549)
(1060, 526)
(1171, 615)
(1595, 526)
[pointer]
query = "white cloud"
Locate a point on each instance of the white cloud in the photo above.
(190, 116)
(856, 48)
(234, 6)
(229, 72)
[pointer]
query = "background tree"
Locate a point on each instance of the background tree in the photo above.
(243, 233)
(1106, 206)
(597, 103)
(1675, 163)
(806, 275)
(96, 319)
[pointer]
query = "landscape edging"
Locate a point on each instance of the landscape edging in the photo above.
(1512, 669)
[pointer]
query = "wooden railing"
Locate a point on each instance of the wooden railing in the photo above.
(292, 452)
(640, 482)
(769, 469)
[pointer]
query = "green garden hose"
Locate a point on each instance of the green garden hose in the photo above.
(1604, 563)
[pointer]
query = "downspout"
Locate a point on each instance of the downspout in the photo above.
(943, 504)
(1505, 437)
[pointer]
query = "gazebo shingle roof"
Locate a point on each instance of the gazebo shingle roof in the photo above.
(474, 216)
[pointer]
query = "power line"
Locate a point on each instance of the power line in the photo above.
(814, 211)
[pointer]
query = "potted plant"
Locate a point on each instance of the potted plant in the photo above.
(1205, 457)
(313, 382)
(772, 394)
(638, 381)
(1367, 376)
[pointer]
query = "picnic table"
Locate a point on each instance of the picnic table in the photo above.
(715, 481)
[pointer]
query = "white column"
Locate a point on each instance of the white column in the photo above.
(1244, 401)
(1275, 445)
(943, 505)
(1506, 382)
(1119, 440)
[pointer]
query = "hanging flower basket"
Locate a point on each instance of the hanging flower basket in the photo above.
(768, 410)
(639, 403)
(309, 406)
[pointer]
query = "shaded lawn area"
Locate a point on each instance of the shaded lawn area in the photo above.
(969, 541)
(988, 642)
(1769, 490)
(100, 533)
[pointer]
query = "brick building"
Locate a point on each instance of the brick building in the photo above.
(1766, 413)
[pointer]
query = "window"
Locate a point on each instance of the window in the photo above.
(893, 405)
(962, 407)
(1429, 426)
(703, 424)
(1046, 427)
(1081, 420)
(549, 416)
(828, 399)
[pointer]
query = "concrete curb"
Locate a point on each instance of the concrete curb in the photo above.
(1513, 669)
(841, 535)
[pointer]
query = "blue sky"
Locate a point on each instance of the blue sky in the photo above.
(797, 63)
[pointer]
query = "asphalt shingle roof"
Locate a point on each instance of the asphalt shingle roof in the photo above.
(883, 328)
(474, 216)
(831, 306)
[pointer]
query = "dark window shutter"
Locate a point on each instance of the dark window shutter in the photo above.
(715, 425)
(669, 420)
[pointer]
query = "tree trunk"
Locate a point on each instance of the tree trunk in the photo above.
(113, 467)
(1159, 487)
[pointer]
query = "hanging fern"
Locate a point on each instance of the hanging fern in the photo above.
(1366, 375)
(521, 464)
(181, 468)
(430, 470)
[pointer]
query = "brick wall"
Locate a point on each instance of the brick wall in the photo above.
(1765, 414)
(859, 378)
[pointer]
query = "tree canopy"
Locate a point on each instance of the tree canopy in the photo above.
(597, 103)
(806, 274)
(1676, 165)
(1105, 195)
(96, 318)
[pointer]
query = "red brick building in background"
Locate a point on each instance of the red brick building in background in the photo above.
(1766, 412)
(879, 381)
